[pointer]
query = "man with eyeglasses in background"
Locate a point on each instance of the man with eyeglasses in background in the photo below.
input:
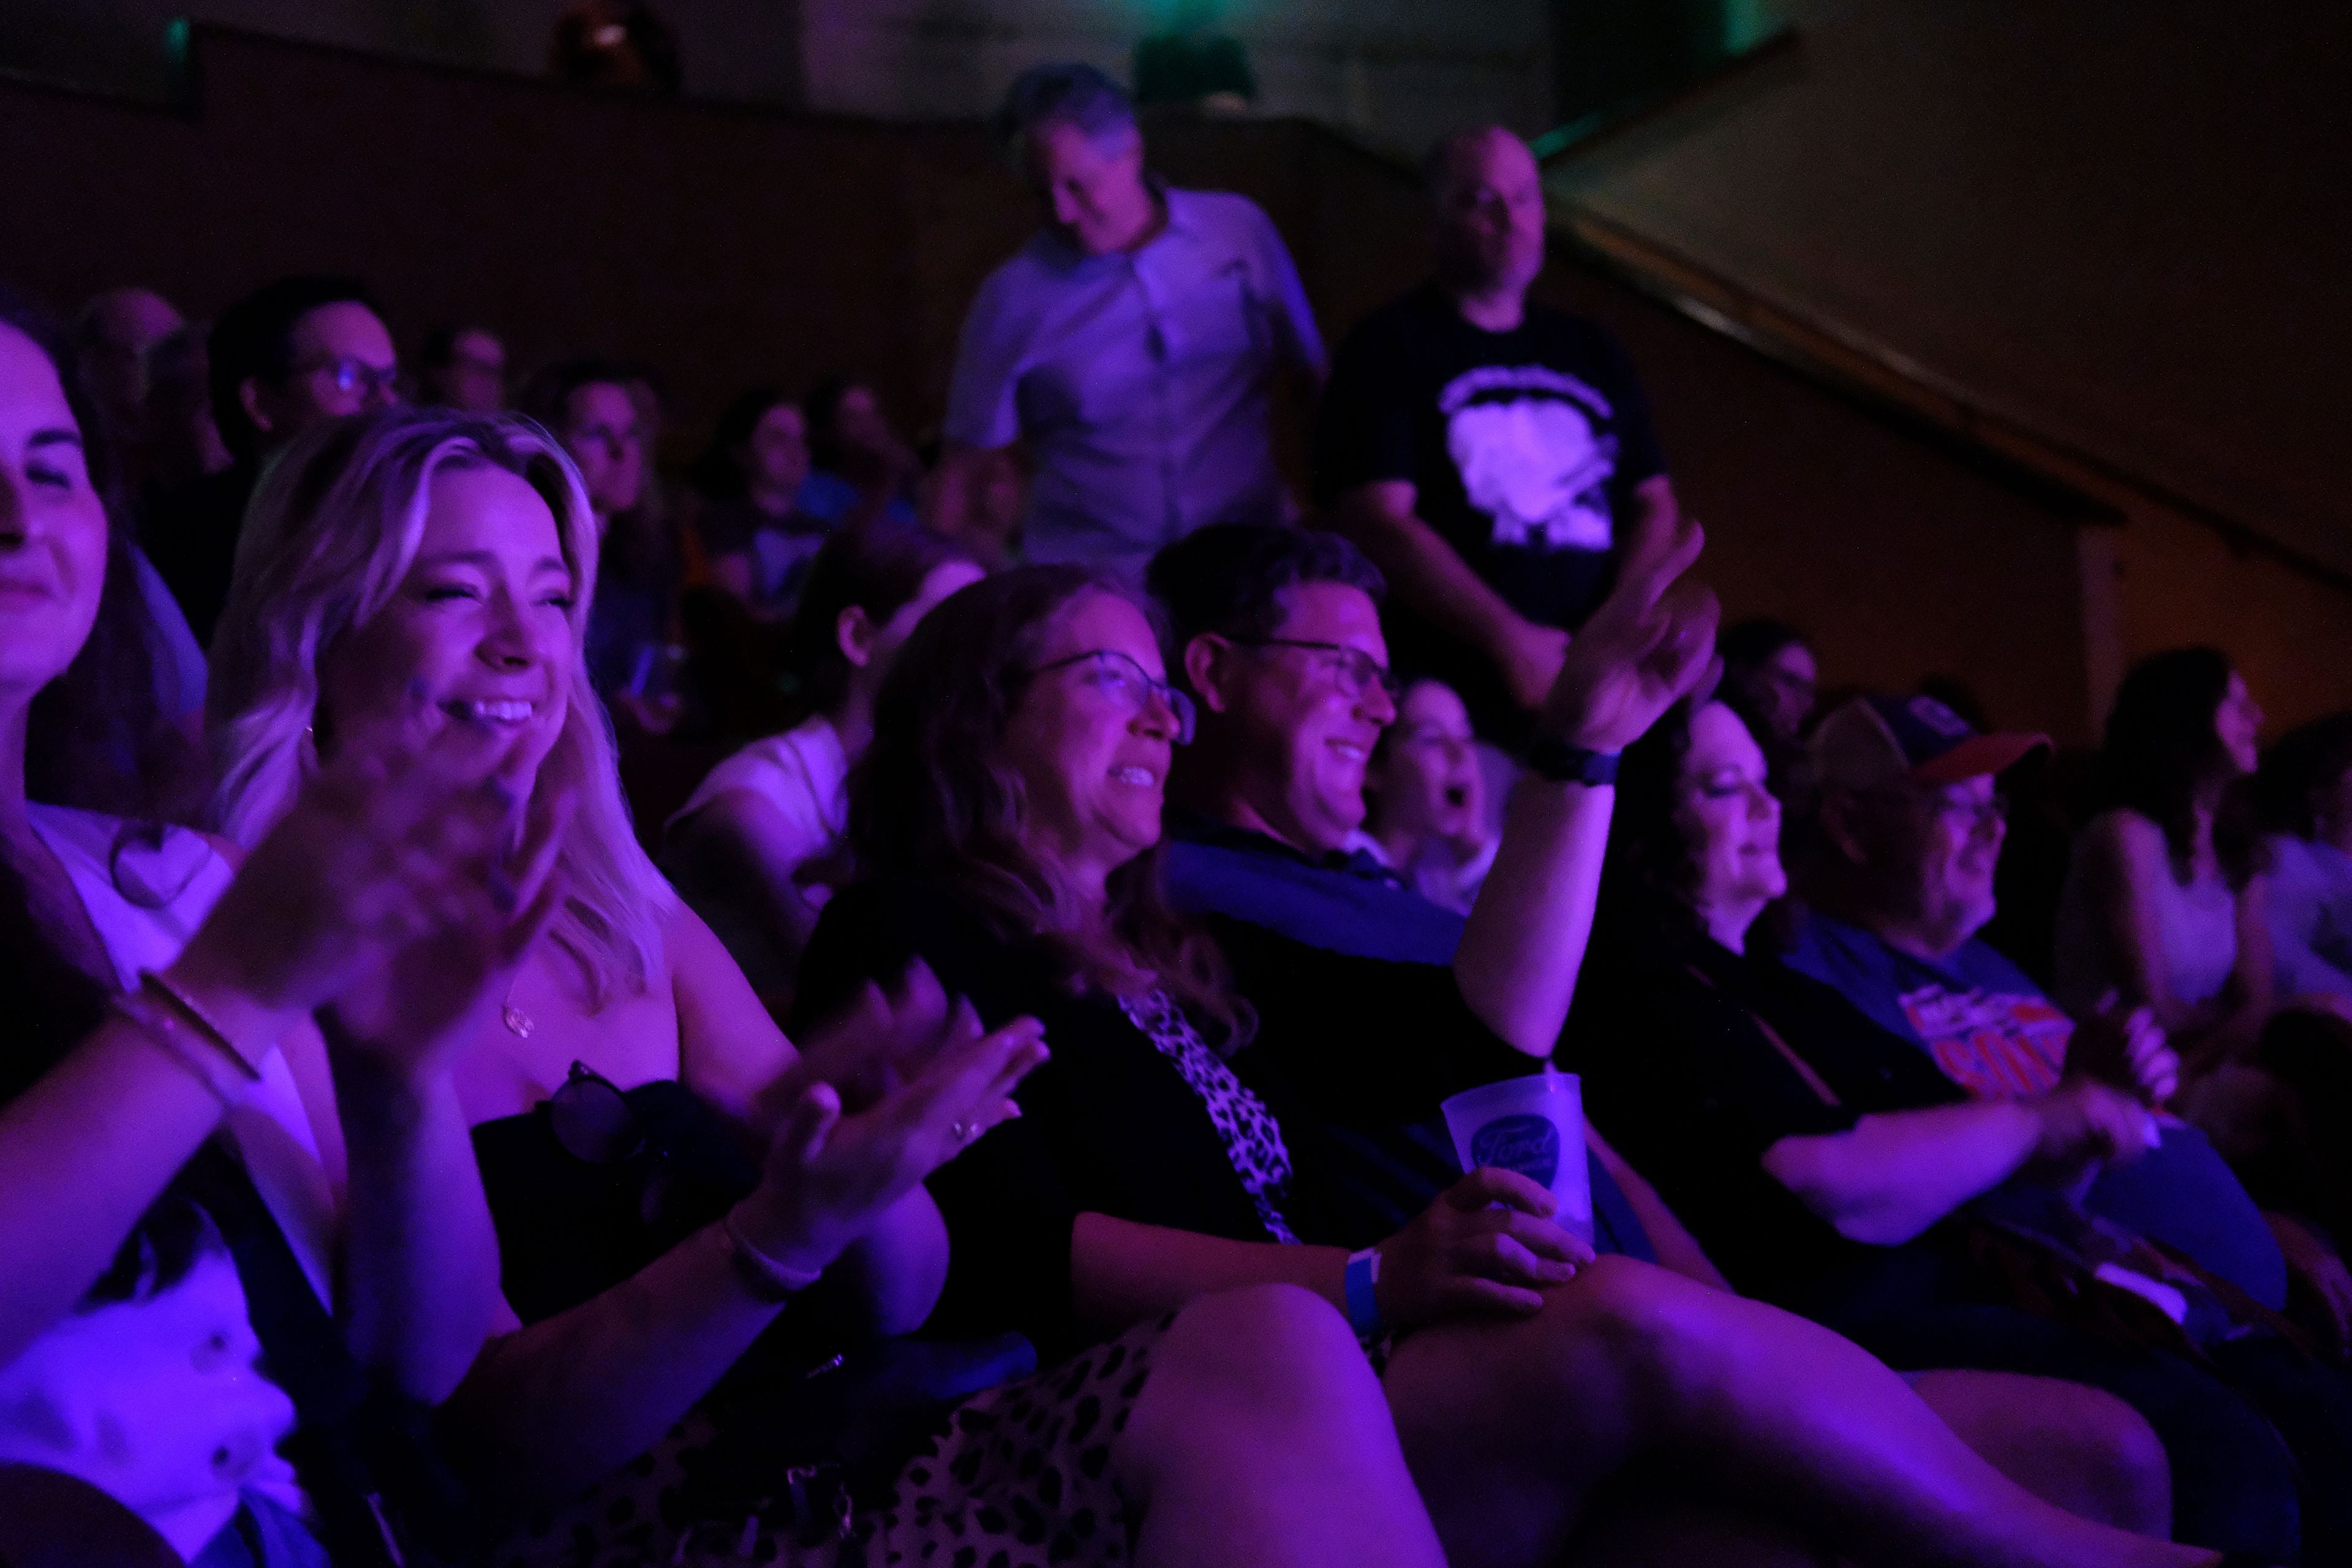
(293, 353)
(1908, 829)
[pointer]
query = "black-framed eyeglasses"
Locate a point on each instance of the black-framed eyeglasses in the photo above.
(593, 1121)
(347, 374)
(1354, 669)
(1130, 686)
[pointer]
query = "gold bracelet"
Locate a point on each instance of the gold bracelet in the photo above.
(163, 991)
(168, 1034)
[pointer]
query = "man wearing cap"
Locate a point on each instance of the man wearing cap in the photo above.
(1909, 829)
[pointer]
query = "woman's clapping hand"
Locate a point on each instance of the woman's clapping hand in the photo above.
(832, 1173)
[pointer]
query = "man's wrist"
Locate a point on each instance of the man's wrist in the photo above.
(1564, 761)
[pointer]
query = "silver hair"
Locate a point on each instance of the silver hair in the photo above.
(1069, 93)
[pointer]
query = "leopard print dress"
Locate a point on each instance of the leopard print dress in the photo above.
(1016, 1477)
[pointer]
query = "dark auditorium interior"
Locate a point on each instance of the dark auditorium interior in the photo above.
(964, 782)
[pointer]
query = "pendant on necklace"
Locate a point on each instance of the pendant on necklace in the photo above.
(517, 1021)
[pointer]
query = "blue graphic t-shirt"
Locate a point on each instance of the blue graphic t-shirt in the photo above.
(1993, 1032)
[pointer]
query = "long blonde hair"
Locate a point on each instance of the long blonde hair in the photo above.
(330, 535)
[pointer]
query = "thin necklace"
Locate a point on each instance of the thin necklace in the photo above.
(517, 1022)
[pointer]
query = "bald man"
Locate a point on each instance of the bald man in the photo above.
(1485, 451)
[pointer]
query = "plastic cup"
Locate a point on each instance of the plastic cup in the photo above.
(1534, 1126)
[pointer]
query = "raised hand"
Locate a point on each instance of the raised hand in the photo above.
(385, 846)
(830, 1177)
(1486, 1244)
(872, 1045)
(1651, 643)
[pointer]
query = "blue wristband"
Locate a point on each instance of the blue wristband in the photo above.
(1363, 1309)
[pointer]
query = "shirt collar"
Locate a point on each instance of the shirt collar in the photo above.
(1196, 827)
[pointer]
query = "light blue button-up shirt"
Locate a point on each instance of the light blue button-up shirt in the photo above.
(1140, 379)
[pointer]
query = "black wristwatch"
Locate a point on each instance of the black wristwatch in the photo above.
(1547, 756)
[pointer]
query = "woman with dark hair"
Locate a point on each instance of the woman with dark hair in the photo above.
(863, 468)
(1010, 806)
(1425, 799)
(2160, 910)
(1772, 666)
(176, 1140)
(758, 531)
(752, 850)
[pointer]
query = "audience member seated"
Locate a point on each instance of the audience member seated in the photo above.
(979, 505)
(1489, 452)
(172, 1153)
(758, 534)
(759, 847)
(464, 368)
(2304, 795)
(861, 468)
(1010, 807)
(181, 443)
(115, 338)
(1129, 347)
(284, 358)
(666, 1171)
(1425, 799)
(1278, 637)
(112, 336)
(1831, 1167)
(2157, 909)
(1261, 757)
(1774, 670)
(591, 408)
(1909, 829)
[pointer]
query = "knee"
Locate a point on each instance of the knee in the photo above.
(1269, 1339)
(1658, 1335)
(2094, 1455)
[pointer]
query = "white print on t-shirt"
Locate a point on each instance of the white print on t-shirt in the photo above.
(1527, 442)
(1996, 1045)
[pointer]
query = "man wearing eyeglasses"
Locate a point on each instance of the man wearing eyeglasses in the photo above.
(294, 353)
(1909, 831)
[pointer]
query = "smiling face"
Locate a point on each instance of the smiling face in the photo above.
(52, 525)
(2238, 724)
(1731, 818)
(1426, 780)
(481, 626)
(1093, 763)
(1091, 190)
(1303, 732)
(1927, 853)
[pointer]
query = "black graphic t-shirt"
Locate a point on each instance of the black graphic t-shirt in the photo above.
(1525, 449)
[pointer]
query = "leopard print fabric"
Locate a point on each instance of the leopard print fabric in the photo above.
(1017, 1477)
(1252, 1137)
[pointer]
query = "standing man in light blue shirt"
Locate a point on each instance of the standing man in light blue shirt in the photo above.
(1130, 346)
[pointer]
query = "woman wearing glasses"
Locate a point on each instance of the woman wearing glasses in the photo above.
(695, 1218)
(1010, 807)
